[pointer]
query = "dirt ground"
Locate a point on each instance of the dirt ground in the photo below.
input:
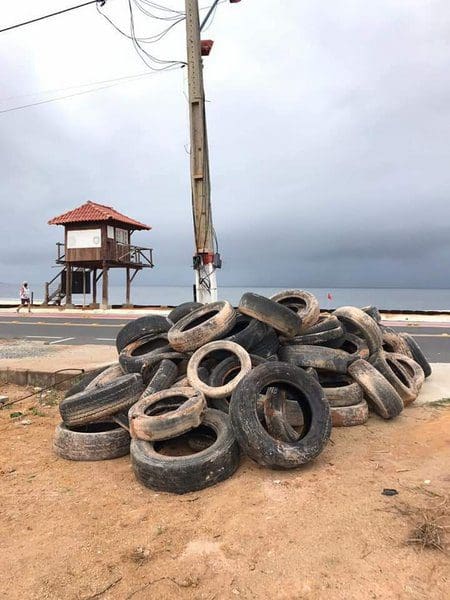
(90, 530)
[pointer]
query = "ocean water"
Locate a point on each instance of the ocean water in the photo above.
(384, 298)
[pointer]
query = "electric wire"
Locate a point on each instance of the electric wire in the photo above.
(59, 12)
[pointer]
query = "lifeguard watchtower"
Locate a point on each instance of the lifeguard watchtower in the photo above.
(96, 238)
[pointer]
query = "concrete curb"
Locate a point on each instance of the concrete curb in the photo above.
(63, 380)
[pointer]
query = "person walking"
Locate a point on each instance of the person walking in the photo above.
(24, 297)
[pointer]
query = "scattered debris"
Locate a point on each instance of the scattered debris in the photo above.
(389, 492)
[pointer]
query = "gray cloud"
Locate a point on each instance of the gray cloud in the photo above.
(329, 137)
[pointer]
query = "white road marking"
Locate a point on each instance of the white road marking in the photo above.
(105, 339)
(47, 337)
(60, 341)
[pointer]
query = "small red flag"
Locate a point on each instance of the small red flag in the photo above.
(329, 296)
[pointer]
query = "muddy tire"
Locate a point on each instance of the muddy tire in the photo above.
(84, 381)
(417, 353)
(252, 436)
(182, 310)
(317, 357)
(98, 403)
(210, 322)
(354, 345)
(325, 322)
(136, 355)
(349, 416)
(109, 374)
(149, 325)
(316, 339)
(277, 316)
(96, 441)
(276, 418)
(341, 391)
(394, 342)
(182, 474)
(361, 323)
(303, 303)
(400, 379)
(227, 388)
(412, 368)
(247, 332)
(268, 346)
(161, 377)
(150, 422)
(373, 312)
(379, 393)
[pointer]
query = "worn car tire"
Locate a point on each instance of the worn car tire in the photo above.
(150, 419)
(161, 377)
(363, 324)
(394, 342)
(349, 416)
(98, 403)
(412, 368)
(95, 441)
(182, 474)
(208, 323)
(379, 393)
(281, 318)
(148, 325)
(303, 303)
(398, 377)
(182, 310)
(354, 345)
(227, 388)
(276, 417)
(84, 381)
(341, 390)
(106, 376)
(246, 332)
(317, 357)
(373, 312)
(252, 436)
(315, 339)
(135, 355)
(268, 346)
(417, 353)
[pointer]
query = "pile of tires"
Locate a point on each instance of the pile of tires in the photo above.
(193, 392)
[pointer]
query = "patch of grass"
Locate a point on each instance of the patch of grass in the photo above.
(34, 410)
(441, 402)
(16, 415)
(51, 398)
(431, 525)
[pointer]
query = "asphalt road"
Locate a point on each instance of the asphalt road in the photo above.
(435, 341)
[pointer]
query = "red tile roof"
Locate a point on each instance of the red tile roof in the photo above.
(91, 211)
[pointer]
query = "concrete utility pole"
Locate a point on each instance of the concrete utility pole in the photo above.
(205, 260)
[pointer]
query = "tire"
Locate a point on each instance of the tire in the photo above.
(135, 355)
(152, 361)
(316, 339)
(106, 376)
(303, 303)
(247, 332)
(349, 416)
(85, 381)
(411, 366)
(149, 325)
(379, 393)
(417, 353)
(227, 388)
(317, 357)
(363, 324)
(268, 346)
(354, 345)
(373, 312)
(96, 404)
(341, 391)
(208, 323)
(252, 436)
(325, 322)
(182, 310)
(281, 318)
(393, 342)
(161, 377)
(182, 474)
(398, 377)
(276, 418)
(96, 441)
(150, 422)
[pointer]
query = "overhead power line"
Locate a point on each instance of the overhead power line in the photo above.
(59, 12)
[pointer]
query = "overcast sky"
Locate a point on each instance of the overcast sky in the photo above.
(329, 127)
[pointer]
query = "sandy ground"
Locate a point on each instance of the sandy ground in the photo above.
(90, 530)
